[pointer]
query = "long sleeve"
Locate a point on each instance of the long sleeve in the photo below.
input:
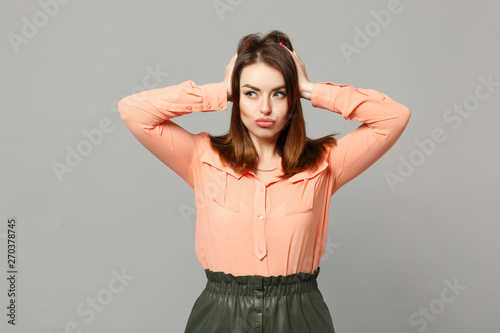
(383, 121)
(147, 115)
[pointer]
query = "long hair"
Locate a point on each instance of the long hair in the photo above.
(297, 151)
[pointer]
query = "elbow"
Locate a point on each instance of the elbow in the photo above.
(406, 115)
(124, 108)
(399, 119)
(403, 113)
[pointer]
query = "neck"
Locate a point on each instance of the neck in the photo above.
(265, 147)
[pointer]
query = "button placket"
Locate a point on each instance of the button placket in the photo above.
(259, 221)
(258, 303)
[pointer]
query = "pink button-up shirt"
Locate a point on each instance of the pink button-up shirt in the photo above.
(246, 226)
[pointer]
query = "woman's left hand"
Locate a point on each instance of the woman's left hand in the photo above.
(305, 86)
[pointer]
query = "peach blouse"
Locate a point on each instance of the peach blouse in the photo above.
(245, 226)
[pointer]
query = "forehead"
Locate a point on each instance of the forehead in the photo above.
(261, 76)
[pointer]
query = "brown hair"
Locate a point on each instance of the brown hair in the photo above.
(297, 151)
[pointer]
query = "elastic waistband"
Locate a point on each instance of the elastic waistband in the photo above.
(247, 285)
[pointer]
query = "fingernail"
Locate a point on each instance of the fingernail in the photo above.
(282, 43)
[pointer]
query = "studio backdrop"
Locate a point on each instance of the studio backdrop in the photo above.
(97, 235)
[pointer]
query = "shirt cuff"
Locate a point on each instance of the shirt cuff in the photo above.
(214, 96)
(324, 95)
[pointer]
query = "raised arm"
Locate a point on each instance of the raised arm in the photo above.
(147, 115)
(384, 120)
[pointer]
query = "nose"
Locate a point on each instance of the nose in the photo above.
(266, 106)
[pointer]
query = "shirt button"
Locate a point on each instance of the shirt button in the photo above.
(189, 108)
(209, 106)
(221, 105)
(257, 310)
(257, 324)
(260, 249)
(259, 295)
(261, 217)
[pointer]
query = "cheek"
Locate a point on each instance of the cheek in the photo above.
(244, 114)
(246, 109)
(284, 114)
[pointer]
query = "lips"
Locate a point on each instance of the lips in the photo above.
(264, 122)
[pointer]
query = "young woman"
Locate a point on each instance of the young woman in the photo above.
(263, 189)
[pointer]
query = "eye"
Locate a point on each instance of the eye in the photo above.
(282, 93)
(249, 92)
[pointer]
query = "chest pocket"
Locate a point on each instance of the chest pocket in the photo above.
(223, 184)
(300, 197)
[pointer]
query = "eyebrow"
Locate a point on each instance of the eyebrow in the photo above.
(255, 88)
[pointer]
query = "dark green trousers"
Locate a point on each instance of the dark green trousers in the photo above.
(254, 303)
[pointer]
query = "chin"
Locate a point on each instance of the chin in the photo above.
(267, 135)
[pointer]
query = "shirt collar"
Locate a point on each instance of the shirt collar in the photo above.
(309, 173)
(213, 159)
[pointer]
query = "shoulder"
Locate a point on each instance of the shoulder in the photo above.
(202, 140)
(205, 149)
(210, 157)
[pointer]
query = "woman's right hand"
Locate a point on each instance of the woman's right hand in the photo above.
(228, 76)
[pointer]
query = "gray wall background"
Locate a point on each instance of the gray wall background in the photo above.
(418, 256)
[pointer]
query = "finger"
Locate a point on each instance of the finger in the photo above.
(234, 57)
(286, 48)
(296, 54)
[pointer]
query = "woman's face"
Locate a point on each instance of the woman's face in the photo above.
(263, 101)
